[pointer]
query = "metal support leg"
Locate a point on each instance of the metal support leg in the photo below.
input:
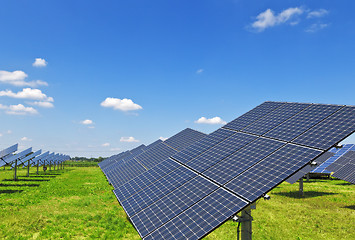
(50, 166)
(307, 177)
(28, 168)
(301, 187)
(15, 173)
(246, 224)
(37, 167)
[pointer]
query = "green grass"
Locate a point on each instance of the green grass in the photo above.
(78, 203)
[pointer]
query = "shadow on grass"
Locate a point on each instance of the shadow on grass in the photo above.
(344, 184)
(10, 191)
(42, 176)
(26, 180)
(19, 185)
(307, 194)
(350, 207)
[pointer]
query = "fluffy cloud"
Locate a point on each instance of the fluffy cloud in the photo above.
(42, 104)
(18, 109)
(27, 93)
(199, 71)
(26, 139)
(39, 62)
(87, 122)
(269, 19)
(105, 144)
(317, 13)
(163, 138)
(17, 78)
(215, 120)
(316, 27)
(121, 104)
(128, 139)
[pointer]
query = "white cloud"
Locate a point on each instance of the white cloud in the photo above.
(39, 62)
(316, 27)
(17, 78)
(215, 120)
(18, 109)
(163, 138)
(91, 127)
(9, 132)
(26, 139)
(128, 139)
(118, 104)
(317, 13)
(0, 134)
(27, 93)
(199, 71)
(87, 122)
(115, 149)
(105, 144)
(42, 104)
(269, 19)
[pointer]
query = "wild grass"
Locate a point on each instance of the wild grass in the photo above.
(78, 203)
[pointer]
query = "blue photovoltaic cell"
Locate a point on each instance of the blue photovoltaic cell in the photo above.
(253, 115)
(201, 218)
(108, 161)
(172, 204)
(158, 189)
(145, 179)
(153, 145)
(202, 145)
(271, 171)
(332, 130)
(308, 168)
(220, 151)
(340, 152)
(342, 161)
(124, 173)
(15, 157)
(122, 161)
(347, 172)
(155, 155)
(240, 161)
(302, 121)
(274, 118)
(184, 138)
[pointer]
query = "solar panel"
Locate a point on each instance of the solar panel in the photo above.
(184, 138)
(239, 167)
(301, 122)
(119, 174)
(12, 158)
(338, 126)
(25, 159)
(309, 167)
(344, 167)
(338, 153)
(342, 160)
(9, 150)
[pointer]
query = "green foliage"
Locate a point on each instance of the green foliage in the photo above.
(78, 203)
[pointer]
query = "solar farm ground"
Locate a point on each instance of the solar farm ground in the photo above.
(78, 203)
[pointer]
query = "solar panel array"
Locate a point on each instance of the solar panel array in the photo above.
(202, 186)
(338, 153)
(344, 167)
(130, 166)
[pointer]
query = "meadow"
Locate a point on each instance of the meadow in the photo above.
(78, 203)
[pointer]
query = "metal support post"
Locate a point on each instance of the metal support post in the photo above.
(301, 187)
(246, 224)
(15, 173)
(307, 177)
(37, 166)
(28, 168)
(50, 165)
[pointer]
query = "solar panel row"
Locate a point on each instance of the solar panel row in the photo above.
(225, 171)
(344, 167)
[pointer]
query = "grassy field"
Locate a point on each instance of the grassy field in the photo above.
(78, 203)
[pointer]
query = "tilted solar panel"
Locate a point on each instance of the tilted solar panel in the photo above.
(344, 167)
(8, 150)
(338, 153)
(238, 167)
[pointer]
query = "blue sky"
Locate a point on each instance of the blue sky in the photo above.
(140, 70)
